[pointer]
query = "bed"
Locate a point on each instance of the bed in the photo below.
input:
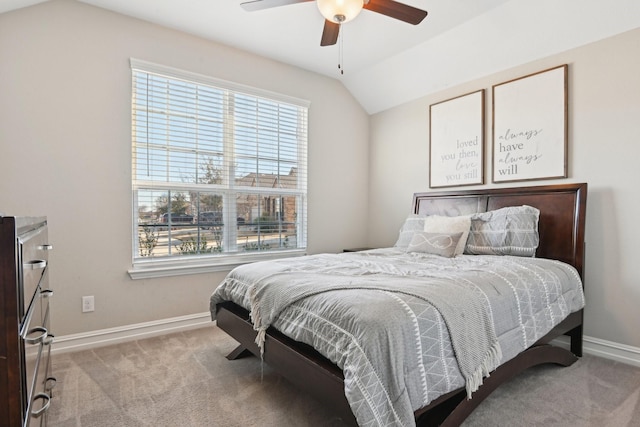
(560, 227)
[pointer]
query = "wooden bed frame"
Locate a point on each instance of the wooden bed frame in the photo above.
(561, 228)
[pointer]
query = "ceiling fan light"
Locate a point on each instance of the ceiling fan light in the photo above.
(340, 11)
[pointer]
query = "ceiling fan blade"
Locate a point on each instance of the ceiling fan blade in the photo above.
(251, 6)
(396, 10)
(330, 33)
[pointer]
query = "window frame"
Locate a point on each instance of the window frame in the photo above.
(143, 268)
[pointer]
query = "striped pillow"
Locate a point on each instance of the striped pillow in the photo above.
(507, 231)
(414, 223)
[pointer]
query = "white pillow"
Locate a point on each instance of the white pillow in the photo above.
(450, 224)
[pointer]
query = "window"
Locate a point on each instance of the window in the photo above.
(219, 172)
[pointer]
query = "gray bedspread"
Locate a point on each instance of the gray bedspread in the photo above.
(406, 328)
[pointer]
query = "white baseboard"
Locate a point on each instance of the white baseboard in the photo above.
(606, 349)
(87, 340)
(102, 337)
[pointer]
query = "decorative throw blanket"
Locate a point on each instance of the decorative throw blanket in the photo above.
(405, 328)
(466, 316)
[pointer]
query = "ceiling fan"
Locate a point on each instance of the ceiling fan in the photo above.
(337, 12)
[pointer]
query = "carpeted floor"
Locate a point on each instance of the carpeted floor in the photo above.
(183, 380)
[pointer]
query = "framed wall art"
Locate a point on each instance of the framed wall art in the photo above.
(456, 136)
(530, 127)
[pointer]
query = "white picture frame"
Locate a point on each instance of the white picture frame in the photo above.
(456, 137)
(530, 127)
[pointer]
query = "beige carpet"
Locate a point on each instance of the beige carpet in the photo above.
(183, 379)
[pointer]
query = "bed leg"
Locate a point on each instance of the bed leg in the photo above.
(238, 353)
(576, 340)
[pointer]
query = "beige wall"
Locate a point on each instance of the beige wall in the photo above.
(604, 151)
(65, 152)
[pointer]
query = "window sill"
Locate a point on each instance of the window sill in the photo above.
(169, 267)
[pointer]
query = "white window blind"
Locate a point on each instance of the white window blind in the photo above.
(219, 169)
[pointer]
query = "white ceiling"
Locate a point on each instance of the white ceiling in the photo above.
(291, 33)
(375, 45)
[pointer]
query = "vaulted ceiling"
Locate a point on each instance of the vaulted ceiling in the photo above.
(385, 61)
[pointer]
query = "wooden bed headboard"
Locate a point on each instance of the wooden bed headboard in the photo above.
(562, 213)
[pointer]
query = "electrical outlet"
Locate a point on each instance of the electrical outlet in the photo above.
(88, 304)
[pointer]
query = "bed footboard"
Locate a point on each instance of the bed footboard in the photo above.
(313, 373)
